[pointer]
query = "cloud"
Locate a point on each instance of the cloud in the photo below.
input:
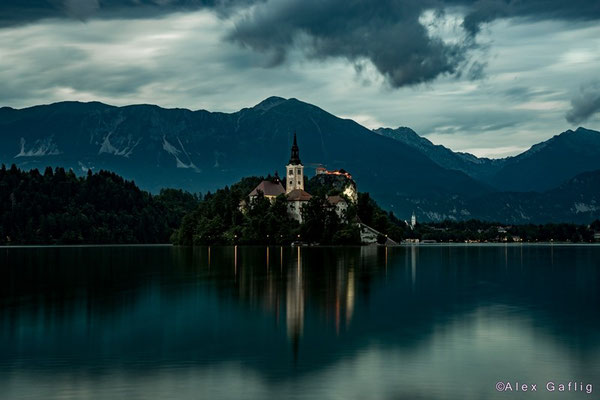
(81, 9)
(19, 12)
(483, 11)
(585, 104)
(389, 34)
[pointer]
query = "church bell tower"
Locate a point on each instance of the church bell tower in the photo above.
(294, 170)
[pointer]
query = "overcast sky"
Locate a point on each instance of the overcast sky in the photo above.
(491, 77)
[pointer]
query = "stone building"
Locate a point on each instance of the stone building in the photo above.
(294, 191)
(339, 204)
(270, 189)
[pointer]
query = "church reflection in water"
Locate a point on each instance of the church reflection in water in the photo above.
(287, 311)
(280, 288)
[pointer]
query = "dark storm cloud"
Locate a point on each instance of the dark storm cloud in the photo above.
(585, 104)
(388, 33)
(18, 12)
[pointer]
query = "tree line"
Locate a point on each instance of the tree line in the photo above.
(482, 231)
(58, 207)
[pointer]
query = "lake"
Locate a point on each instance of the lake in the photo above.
(420, 322)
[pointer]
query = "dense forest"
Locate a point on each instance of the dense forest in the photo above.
(57, 207)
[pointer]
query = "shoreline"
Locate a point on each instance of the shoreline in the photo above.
(489, 244)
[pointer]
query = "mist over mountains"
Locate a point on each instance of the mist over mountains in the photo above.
(201, 150)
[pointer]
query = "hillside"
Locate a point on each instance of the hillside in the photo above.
(548, 164)
(476, 167)
(56, 207)
(575, 201)
(544, 166)
(201, 150)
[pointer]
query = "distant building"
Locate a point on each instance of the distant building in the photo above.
(270, 189)
(296, 199)
(413, 220)
(339, 204)
(321, 170)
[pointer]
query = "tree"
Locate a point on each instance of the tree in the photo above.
(59, 207)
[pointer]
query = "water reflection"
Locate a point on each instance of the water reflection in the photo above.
(295, 303)
(365, 322)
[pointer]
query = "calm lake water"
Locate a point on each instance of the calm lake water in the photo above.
(428, 322)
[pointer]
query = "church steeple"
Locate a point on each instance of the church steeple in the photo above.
(295, 158)
(294, 170)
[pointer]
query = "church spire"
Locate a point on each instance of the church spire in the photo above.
(295, 158)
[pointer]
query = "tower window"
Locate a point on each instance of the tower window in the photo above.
(298, 171)
(298, 182)
(291, 172)
(291, 183)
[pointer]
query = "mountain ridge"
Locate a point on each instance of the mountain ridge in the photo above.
(202, 150)
(578, 148)
(218, 148)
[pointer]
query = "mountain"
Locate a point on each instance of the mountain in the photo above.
(478, 168)
(576, 200)
(201, 150)
(544, 166)
(550, 163)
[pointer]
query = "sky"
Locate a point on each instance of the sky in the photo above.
(489, 77)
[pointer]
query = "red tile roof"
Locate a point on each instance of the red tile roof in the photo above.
(298, 195)
(268, 188)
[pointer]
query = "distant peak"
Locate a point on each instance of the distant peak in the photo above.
(269, 103)
(581, 129)
(400, 129)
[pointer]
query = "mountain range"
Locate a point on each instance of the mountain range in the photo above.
(201, 151)
(543, 167)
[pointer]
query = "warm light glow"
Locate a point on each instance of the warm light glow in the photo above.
(337, 172)
(235, 259)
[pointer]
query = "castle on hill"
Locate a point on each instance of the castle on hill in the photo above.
(294, 187)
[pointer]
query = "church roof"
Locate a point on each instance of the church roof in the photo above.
(333, 200)
(298, 195)
(268, 188)
(295, 157)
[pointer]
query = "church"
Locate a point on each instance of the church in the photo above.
(294, 188)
